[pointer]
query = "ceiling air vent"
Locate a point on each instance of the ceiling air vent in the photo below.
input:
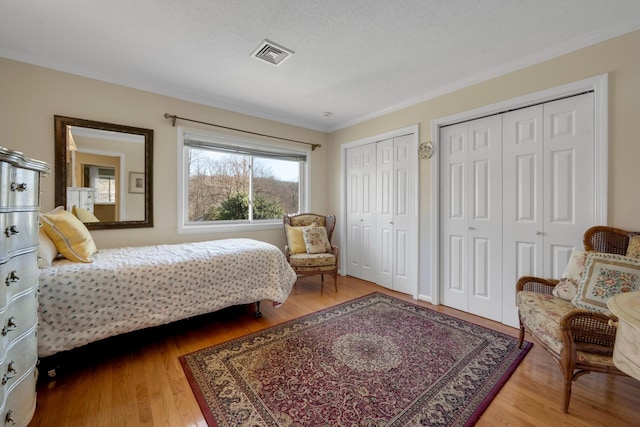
(272, 53)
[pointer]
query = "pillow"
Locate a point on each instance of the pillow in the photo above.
(565, 289)
(606, 275)
(295, 241)
(47, 250)
(568, 285)
(315, 240)
(575, 266)
(69, 234)
(83, 214)
(633, 251)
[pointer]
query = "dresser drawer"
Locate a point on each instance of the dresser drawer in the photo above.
(20, 404)
(19, 360)
(19, 232)
(19, 188)
(20, 317)
(16, 275)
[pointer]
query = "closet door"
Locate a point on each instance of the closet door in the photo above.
(523, 218)
(485, 217)
(385, 229)
(454, 220)
(361, 214)
(472, 216)
(397, 224)
(548, 190)
(568, 178)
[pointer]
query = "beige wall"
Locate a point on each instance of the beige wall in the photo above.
(30, 96)
(619, 57)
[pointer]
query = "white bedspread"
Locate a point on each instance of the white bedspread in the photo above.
(127, 289)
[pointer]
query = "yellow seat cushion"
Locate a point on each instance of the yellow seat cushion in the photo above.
(69, 234)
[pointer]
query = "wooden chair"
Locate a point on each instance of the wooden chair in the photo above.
(579, 340)
(307, 264)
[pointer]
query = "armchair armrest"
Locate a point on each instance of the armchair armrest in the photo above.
(588, 331)
(535, 284)
(286, 252)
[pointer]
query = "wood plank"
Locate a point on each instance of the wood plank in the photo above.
(137, 380)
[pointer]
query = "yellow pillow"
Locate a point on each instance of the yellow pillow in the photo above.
(69, 234)
(295, 240)
(83, 214)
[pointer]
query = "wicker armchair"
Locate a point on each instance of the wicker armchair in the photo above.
(579, 340)
(307, 264)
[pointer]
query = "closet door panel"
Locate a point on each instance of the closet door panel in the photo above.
(523, 214)
(404, 225)
(361, 212)
(354, 208)
(454, 228)
(485, 217)
(568, 178)
(385, 250)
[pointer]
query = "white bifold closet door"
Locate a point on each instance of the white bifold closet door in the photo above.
(472, 217)
(549, 183)
(382, 235)
(361, 212)
(517, 195)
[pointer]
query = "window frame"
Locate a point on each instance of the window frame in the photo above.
(185, 227)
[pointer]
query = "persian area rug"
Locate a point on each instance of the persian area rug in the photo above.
(373, 361)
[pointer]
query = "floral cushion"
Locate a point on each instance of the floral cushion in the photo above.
(606, 275)
(316, 240)
(568, 285)
(633, 250)
(312, 260)
(565, 289)
(308, 219)
(541, 314)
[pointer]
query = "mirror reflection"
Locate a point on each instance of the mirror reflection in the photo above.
(103, 173)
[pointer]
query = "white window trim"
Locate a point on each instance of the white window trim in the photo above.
(182, 200)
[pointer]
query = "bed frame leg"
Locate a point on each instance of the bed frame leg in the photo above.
(258, 312)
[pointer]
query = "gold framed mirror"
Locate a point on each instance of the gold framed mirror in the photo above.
(103, 173)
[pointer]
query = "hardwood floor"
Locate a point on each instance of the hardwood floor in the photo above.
(137, 380)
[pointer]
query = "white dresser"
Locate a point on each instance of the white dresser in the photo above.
(19, 208)
(81, 197)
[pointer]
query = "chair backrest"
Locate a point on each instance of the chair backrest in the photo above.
(305, 219)
(608, 239)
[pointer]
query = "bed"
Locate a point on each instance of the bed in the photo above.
(128, 289)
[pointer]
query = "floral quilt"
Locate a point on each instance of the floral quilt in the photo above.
(128, 289)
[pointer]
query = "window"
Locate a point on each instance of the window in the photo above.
(103, 179)
(227, 182)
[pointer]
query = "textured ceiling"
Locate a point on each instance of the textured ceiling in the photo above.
(354, 58)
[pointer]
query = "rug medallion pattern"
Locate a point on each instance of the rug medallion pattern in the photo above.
(374, 361)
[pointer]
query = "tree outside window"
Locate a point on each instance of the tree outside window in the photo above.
(225, 186)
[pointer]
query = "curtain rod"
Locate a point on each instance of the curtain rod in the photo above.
(173, 118)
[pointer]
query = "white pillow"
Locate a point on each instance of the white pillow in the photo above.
(47, 250)
(568, 285)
